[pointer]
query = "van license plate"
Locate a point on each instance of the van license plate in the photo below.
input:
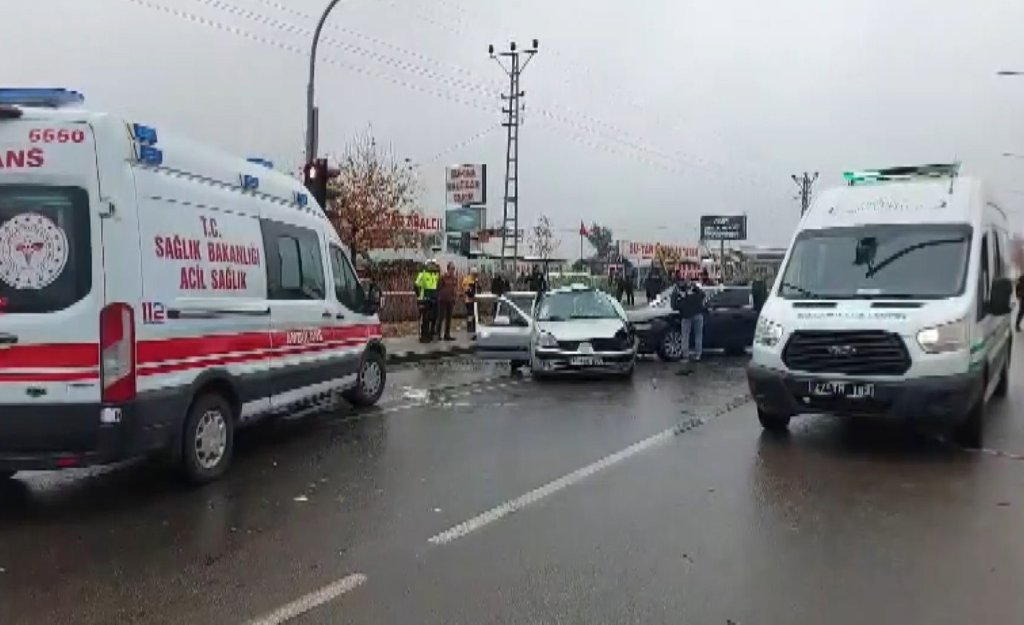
(586, 361)
(849, 390)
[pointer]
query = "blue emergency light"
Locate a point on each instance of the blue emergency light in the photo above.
(145, 135)
(250, 183)
(39, 97)
(150, 155)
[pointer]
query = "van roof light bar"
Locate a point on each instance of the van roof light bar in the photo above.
(910, 172)
(45, 98)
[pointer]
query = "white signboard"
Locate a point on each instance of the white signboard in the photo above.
(466, 184)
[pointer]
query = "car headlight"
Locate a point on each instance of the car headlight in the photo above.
(948, 337)
(546, 339)
(767, 332)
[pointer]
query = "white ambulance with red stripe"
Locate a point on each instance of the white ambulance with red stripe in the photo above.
(155, 294)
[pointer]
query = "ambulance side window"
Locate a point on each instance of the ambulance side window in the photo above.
(294, 266)
(346, 285)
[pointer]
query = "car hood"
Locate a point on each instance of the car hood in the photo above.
(581, 329)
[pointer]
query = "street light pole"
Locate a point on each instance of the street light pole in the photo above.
(311, 115)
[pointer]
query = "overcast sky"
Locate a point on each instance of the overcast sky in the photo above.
(640, 119)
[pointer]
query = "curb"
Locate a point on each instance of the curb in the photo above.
(412, 356)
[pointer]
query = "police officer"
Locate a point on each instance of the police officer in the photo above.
(426, 297)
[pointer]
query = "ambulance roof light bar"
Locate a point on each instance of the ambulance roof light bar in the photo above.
(44, 98)
(911, 172)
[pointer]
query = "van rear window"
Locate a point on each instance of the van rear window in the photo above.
(45, 256)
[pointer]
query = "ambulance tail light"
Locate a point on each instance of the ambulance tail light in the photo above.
(117, 352)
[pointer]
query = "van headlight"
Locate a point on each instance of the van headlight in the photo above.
(949, 337)
(547, 340)
(767, 332)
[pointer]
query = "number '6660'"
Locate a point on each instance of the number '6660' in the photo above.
(56, 135)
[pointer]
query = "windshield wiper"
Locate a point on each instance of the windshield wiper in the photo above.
(870, 273)
(800, 289)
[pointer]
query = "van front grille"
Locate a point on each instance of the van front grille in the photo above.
(847, 352)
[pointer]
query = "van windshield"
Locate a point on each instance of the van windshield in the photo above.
(890, 261)
(45, 258)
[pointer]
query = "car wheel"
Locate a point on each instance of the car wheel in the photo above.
(208, 442)
(971, 432)
(670, 347)
(1003, 386)
(372, 377)
(773, 422)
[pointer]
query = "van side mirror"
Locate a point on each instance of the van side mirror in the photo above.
(1000, 298)
(373, 297)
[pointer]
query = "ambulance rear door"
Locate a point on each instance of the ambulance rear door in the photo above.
(51, 260)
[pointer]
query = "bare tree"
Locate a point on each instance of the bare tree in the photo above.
(371, 194)
(543, 242)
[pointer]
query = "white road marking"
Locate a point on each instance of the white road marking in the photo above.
(314, 599)
(565, 481)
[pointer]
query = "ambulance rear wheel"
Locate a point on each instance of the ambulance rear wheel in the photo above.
(209, 438)
(370, 381)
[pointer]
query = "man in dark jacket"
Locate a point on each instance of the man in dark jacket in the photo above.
(1020, 301)
(446, 289)
(690, 302)
(537, 282)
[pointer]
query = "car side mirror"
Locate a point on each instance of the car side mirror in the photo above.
(1000, 298)
(373, 297)
(502, 320)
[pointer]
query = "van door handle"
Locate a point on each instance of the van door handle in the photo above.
(326, 315)
(339, 316)
(8, 339)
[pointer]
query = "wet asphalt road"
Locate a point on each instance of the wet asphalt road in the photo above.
(657, 501)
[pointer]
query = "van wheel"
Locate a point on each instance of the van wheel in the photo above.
(773, 422)
(1003, 386)
(208, 442)
(6, 475)
(372, 377)
(971, 432)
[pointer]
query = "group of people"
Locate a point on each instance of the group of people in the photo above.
(624, 284)
(436, 295)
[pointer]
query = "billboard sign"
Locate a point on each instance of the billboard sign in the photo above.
(466, 185)
(723, 227)
(465, 219)
(649, 251)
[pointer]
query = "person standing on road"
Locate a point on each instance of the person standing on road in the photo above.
(628, 283)
(1020, 301)
(689, 301)
(469, 289)
(426, 296)
(447, 286)
(537, 282)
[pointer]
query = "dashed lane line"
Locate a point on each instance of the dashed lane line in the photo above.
(500, 511)
(305, 603)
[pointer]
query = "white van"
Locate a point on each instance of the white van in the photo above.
(893, 301)
(156, 294)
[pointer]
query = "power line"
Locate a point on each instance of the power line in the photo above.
(805, 182)
(463, 143)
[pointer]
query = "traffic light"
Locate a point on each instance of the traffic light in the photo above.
(316, 176)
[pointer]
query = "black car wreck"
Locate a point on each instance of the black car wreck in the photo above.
(728, 325)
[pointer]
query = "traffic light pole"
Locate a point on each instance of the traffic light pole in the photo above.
(311, 116)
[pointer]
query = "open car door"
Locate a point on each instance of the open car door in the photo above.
(505, 335)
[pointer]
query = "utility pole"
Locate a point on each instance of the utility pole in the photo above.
(517, 62)
(805, 182)
(312, 114)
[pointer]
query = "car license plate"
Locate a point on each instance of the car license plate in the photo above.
(849, 390)
(586, 361)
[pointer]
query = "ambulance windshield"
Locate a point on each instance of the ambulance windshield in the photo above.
(45, 259)
(867, 262)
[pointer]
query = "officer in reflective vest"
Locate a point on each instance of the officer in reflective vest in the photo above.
(426, 296)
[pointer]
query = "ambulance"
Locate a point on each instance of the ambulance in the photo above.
(157, 295)
(893, 302)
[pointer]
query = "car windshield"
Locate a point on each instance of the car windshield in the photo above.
(562, 306)
(904, 261)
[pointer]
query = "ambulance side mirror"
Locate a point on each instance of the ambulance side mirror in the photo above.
(373, 298)
(999, 301)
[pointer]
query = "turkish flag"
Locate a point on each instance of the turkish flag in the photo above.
(583, 229)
